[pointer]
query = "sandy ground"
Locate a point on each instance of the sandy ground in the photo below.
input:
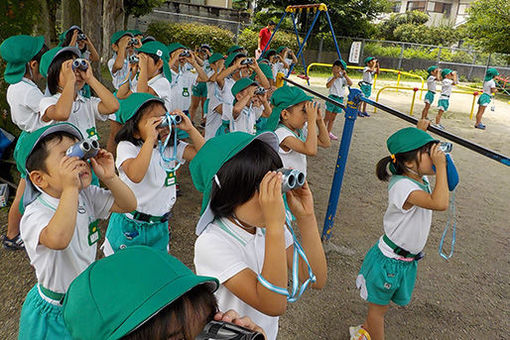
(467, 297)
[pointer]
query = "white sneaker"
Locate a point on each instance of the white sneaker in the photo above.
(358, 333)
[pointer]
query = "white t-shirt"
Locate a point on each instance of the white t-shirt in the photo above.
(119, 76)
(431, 83)
(292, 159)
(367, 75)
(24, 98)
(83, 113)
(409, 229)
(488, 86)
(278, 68)
(338, 86)
(228, 98)
(56, 269)
(246, 120)
(446, 88)
(224, 250)
(182, 84)
(156, 192)
(162, 87)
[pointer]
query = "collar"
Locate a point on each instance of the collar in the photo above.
(154, 79)
(47, 200)
(425, 186)
(28, 81)
(79, 97)
(238, 233)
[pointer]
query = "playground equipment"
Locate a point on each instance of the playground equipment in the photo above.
(351, 113)
(317, 9)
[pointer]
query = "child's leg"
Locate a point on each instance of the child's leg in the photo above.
(14, 213)
(363, 107)
(195, 101)
(111, 146)
(425, 111)
(479, 114)
(329, 120)
(438, 117)
(202, 102)
(374, 323)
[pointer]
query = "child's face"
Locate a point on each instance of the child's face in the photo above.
(372, 63)
(80, 82)
(244, 93)
(295, 117)
(81, 44)
(436, 72)
(424, 164)
(336, 69)
(155, 111)
(449, 75)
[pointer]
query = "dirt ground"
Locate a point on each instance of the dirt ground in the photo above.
(467, 297)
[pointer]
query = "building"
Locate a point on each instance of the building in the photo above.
(444, 12)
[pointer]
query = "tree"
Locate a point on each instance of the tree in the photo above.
(386, 29)
(113, 20)
(488, 25)
(71, 10)
(138, 8)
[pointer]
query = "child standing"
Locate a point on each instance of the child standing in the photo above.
(371, 68)
(489, 88)
(59, 226)
(199, 91)
(434, 75)
(214, 96)
(75, 37)
(336, 85)
(248, 106)
(148, 168)
(242, 238)
(389, 269)
(449, 79)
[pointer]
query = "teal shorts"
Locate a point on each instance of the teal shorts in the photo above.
(382, 279)
(123, 232)
(484, 99)
(429, 97)
(205, 108)
(366, 89)
(199, 90)
(443, 104)
(40, 319)
(332, 107)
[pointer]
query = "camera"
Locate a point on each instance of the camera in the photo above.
(133, 41)
(185, 54)
(133, 59)
(176, 120)
(247, 61)
(446, 147)
(81, 36)
(80, 64)
(219, 330)
(292, 179)
(260, 90)
(84, 149)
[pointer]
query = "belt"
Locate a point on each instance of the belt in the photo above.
(365, 82)
(400, 251)
(432, 92)
(51, 294)
(142, 217)
(445, 95)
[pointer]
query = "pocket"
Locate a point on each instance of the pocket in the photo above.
(388, 276)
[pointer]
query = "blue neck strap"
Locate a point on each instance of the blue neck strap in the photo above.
(166, 161)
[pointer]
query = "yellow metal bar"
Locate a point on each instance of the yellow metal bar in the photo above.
(398, 80)
(473, 105)
(375, 80)
(412, 102)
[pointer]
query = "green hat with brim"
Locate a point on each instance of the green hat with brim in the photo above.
(117, 294)
(17, 51)
(241, 84)
(445, 72)
(283, 98)
(234, 48)
(48, 57)
(135, 32)
(431, 69)
(129, 107)
(211, 157)
(408, 139)
(368, 59)
(280, 49)
(119, 34)
(266, 69)
(490, 74)
(27, 143)
(62, 36)
(159, 49)
(215, 57)
(174, 47)
(231, 57)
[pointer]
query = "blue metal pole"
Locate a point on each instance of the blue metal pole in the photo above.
(351, 112)
(333, 34)
(272, 35)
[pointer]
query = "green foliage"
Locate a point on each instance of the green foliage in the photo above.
(248, 39)
(137, 8)
(272, 13)
(386, 29)
(192, 35)
(382, 51)
(440, 35)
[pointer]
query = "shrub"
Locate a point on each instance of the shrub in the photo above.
(376, 49)
(248, 39)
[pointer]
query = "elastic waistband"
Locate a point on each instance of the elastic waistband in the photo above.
(142, 217)
(49, 294)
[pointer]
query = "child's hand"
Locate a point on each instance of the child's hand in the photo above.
(437, 156)
(69, 172)
(423, 124)
(142, 61)
(186, 124)
(103, 165)
(311, 111)
(67, 72)
(87, 75)
(318, 108)
(149, 132)
(271, 200)
(238, 63)
(233, 317)
(123, 42)
(300, 201)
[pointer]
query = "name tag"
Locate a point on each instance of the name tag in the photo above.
(93, 232)
(170, 178)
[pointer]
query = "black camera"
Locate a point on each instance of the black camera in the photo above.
(219, 330)
(185, 54)
(260, 90)
(81, 36)
(80, 64)
(247, 61)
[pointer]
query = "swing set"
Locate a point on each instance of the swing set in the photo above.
(292, 10)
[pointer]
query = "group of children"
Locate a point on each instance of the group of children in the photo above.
(246, 247)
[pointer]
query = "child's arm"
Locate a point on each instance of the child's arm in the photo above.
(94, 56)
(195, 136)
(438, 199)
(377, 67)
(332, 80)
(245, 284)
(243, 102)
(348, 80)
(124, 90)
(323, 137)
(104, 167)
(136, 168)
(62, 109)
(108, 104)
(220, 78)
(202, 76)
(308, 147)
(121, 54)
(267, 107)
(261, 76)
(143, 77)
(301, 204)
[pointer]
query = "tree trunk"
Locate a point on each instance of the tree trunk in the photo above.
(41, 26)
(52, 21)
(126, 18)
(71, 14)
(113, 20)
(91, 19)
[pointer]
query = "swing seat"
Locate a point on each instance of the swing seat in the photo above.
(302, 76)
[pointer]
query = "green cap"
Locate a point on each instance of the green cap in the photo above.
(159, 49)
(48, 57)
(117, 294)
(266, 69)
(368, 59)
(231, 57)
(283, 98)
(175, 46)
(408, 139)
(62, 36)
(234, 48)
(491, 73)
(280, 49)
(135, 32)
(119, 34)
(342, 63)
(241, 84)
(25, 146)
(17, 51)
(129, 107)
(445, 72)
(215, 57)
(431, 69)
(211, 157)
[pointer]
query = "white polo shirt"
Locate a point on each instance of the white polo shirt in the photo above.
(119, 76)
(24, 98)
(446, 88)
(228, 98)
(182, 84)
(488, 86)
(408, 229)
(83, 113)
(223, 250)
(431, 83)
(246, 120)
(56, 269)
(338, 86)
(367, 75)
(292, 159)
(156, 192)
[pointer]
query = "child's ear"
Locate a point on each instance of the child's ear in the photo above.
(38, 177)
(115, 47)
(285, 114)
(159, 64)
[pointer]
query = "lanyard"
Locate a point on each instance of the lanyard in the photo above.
(165, 161)
(453, 222)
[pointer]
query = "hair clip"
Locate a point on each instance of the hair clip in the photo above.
(217, 180)
(393, 158)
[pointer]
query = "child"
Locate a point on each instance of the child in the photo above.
(149, 174)
(278, 65)
(489, 88)
(248, 106)
(449, 79)
(284, 52)
(199, 91)
(22, 54)
(434, 75)
(388, 272)
(336, 85)
(75, 37)
(295, 120)
(59, 226)
(242, 235)
(236, 49)
(371, 68)
(214, 96)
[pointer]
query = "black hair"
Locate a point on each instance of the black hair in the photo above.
(37, 57)
(270, 54)
(338, 62)
(185, 316)
(240, 177)
(239, 55)
(37, 158)
(381, 169)
(54, 69)
(156, 58)
(271, 23)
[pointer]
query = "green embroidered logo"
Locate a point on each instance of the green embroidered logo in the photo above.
(170, 179)
(185, 92)
(92, 132)
(94, 233)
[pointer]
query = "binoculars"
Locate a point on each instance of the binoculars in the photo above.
(260, 90)
(185, 54)
(81, 36)
(446, 147)
(247, 61)
(80, 64)
(292, 179)
(220, 330)
(175, 120)
(133, 41)
(84, 149)
(133, 59)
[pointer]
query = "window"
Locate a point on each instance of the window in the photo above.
(416, 5)
(441, 7)
(396, 7)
